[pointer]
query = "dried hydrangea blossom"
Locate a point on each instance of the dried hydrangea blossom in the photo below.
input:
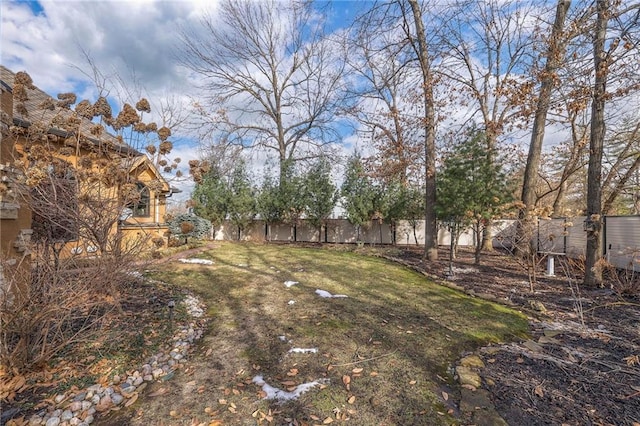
(167, 169)
(162, 163)
(151, 149)
(152, 127)
(97, 130)
(140, 127)
(143, 105)
(103, 108)
(19, 93)
(164, 133)
(66, 99)
(126, 117)
(22, 110)
(165, 147)
(22, 77)
(85, 109)
(47, 104)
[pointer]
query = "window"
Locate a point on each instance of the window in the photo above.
(141, 207)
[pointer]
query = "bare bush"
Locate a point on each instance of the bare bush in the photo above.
(46, 309)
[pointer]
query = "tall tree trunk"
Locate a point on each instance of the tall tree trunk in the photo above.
(430, 231)
(593, 276)
(555, 55)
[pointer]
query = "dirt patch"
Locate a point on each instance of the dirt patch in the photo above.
(581, 366)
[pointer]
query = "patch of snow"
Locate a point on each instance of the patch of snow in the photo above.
(291, 302)
(326, 294)
(282, 338)
(303, 350)
(243, 265)
(197, 261)
(281, 395)
(290, 283)
(457, 270)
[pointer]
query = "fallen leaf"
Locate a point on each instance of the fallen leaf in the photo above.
(327, 421)
(373, 374)
(292, 372)
(445, 395)
(351, 399)
(222, 401)
(357, 370)
(159, 392)
(208, 410)
(173, 413)
(538, 391)
(131, 400)
(346, 380)
(413, 382)
(288, 383)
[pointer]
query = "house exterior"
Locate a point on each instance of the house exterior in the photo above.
(88, 171)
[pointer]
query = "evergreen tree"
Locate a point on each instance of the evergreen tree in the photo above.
(242, 204)
(211, 197)
(357, 193)
(472, 189)
(321, 194)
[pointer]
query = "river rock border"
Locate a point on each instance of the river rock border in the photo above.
(81, 407)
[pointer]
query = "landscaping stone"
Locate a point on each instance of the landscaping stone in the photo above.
(472, 400)
(488, 417)
(116, 398)
(53, 421)
(472, 361)
(95, 398)
(466, 376)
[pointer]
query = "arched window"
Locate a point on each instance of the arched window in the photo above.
(141, 207)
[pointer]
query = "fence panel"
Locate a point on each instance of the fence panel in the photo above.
(621, 236)
(622, 241)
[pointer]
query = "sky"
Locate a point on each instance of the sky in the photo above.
(133, 40)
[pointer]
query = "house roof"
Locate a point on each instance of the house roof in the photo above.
(132, 159)
(37, 97)
(133, 163)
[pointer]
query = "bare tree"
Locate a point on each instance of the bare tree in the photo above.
(548, 80)
(419, 42)
(384, 101)
(269, 76)
(490, 43)
(618, 24)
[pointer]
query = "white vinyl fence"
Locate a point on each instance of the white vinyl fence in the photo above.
(620, 236)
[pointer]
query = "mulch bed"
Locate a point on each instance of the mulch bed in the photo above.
(581, 365)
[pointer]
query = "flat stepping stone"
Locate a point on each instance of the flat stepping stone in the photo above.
(466, 376)
(472, 361)
(488, 417)
(474, 400)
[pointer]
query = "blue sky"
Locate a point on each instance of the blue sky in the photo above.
(133, 40)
